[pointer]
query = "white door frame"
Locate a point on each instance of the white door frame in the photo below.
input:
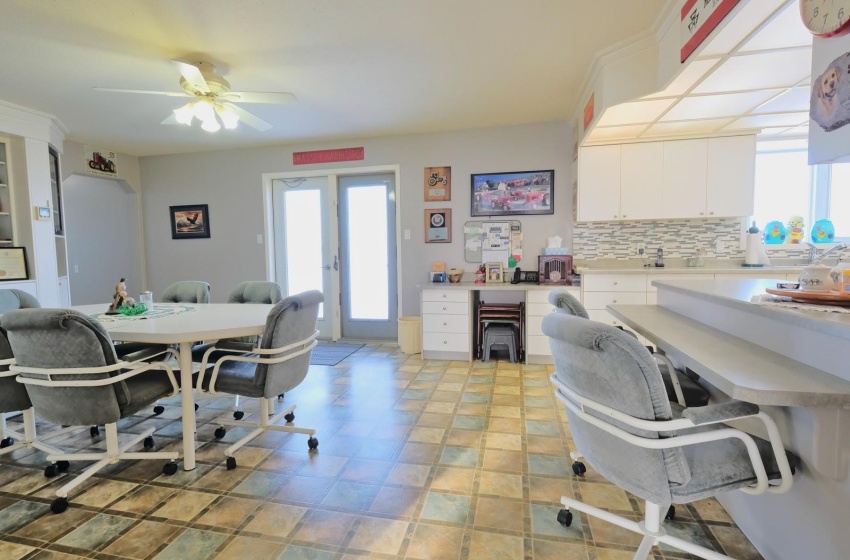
(333, 182)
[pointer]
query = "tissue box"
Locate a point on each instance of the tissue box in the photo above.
(555, 251)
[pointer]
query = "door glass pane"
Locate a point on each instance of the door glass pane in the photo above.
(839, 199)
(368, 269)
(303, 224)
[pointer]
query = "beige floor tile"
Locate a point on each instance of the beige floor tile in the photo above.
(550, 490)
(453, 479)
(549, 550)
(464, 438)
(325, 527)
(14, 551)
(434, 542)
(405, 474)
(606, 496)
(229, 513)
(105, 492)
(496, 513)
(507, 442)
(500, 484)
(240, 547)
(735, 543)
(138, 542)
(379, 535)
(185, 505)
(494, 546)
(427, 435)
(276, 520)
(439, 407)
(508, 461)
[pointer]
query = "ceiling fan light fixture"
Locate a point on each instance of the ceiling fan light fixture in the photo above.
(185, 114)
(203, 110)
(228, 116)
(211, 124)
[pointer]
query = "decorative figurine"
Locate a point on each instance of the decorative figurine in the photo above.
(823, 232)
(795, 230)
(120, 297)
(775, 233)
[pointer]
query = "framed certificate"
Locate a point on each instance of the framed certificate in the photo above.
(13, 264)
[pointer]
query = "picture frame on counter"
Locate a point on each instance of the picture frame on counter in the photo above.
(513, 193)
(494, 273)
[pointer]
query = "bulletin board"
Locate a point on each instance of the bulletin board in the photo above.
(495, 241)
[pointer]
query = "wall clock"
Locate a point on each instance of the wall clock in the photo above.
(826, 18)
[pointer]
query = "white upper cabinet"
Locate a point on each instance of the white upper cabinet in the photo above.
(599, 183)
(640, 180)
(731, 176)
(683, 188)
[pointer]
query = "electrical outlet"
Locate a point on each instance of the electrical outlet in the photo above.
(640, 248)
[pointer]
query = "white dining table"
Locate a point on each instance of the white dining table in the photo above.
(194, 323)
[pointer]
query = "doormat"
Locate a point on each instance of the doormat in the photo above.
(332, 353)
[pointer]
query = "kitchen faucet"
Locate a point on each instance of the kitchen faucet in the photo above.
(815, 256)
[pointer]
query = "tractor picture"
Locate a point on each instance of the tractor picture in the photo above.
(101, 163)
(436, 178)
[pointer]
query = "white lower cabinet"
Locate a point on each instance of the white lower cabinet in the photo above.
(537, 306)
(446, 325)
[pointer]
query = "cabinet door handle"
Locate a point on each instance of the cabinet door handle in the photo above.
(445, 342)
(444, 308)
(711, 213)
(615, 215)
(614, 301)
(445, 323)
(624, 216)
(444, 296)
(702, 213)
(615, 283)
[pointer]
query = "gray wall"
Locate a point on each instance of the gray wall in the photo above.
(230, 182)
(101, 225)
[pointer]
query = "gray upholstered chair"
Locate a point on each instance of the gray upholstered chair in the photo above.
(246, 292)
(68, 365)
(279, 364)
(187, 291)
(680, 388)
(623, 424)
(13, 395)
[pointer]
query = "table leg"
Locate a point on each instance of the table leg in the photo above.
(187, 396)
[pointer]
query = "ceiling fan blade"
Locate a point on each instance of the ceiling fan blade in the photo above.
(192, 75)
(168, 93)
(274, 97)
(248, 118)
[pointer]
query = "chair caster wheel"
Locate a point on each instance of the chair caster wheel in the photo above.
(312, 443)
(59, 505)
(231, 463)
(238, 415)
(289, 417)
(51, 470)
(220, 433)
(280, 397)
(196, 407)
(671, 513)
(169, 468)
(579, 469)
(63, 466)
(158, 409)
(565, 517)
(148, 442)
(94, 431)
(6, 442)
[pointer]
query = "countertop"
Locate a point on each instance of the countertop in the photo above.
(738, 293)
(490, 286)
(678, 266)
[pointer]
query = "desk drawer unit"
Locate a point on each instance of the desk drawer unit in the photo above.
(537, 350)
(601, 300)
(446, 325)
(614, 282)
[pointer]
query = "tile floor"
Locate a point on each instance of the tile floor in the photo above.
(417, 459)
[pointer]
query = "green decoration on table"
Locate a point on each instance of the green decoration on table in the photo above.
(133, 309)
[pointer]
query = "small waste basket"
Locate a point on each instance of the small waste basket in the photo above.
(410, 334)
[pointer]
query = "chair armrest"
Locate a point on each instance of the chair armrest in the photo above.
(721, 412)
(147, 353)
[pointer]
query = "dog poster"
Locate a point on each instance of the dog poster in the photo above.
(830, 101)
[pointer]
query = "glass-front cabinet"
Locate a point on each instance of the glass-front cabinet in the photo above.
(58, 225)
(6, 229)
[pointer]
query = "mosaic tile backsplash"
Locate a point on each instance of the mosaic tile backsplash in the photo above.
(678, 238)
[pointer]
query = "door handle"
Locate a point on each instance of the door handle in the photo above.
(335, 265)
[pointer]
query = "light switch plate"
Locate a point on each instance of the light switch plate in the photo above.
(407, 234)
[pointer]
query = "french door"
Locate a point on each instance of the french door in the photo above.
(337, 234)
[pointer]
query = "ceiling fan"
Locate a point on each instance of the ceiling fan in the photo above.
(212, 97)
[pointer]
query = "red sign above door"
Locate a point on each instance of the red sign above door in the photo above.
(698, 19)
(328, 156)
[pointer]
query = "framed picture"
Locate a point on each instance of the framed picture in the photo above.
(438, 225)
(13, 264)
(438, 183)
(190, 222)
(512, 194)
(493, 272)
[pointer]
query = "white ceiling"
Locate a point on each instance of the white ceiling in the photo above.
(753, 75)
(359, 67)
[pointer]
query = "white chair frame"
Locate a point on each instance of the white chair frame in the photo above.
(267, 418)
(30, 436)
(650, 527)
(114, 451)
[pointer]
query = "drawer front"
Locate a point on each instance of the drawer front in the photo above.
(614, 282)
(444, 308)
(601, 300)
(539, 309)
(445, 342)
(445, 295)
(538, 345)
(445, 323)
(652, 298)
(542, 296)
(650, 278)
(534, 326)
